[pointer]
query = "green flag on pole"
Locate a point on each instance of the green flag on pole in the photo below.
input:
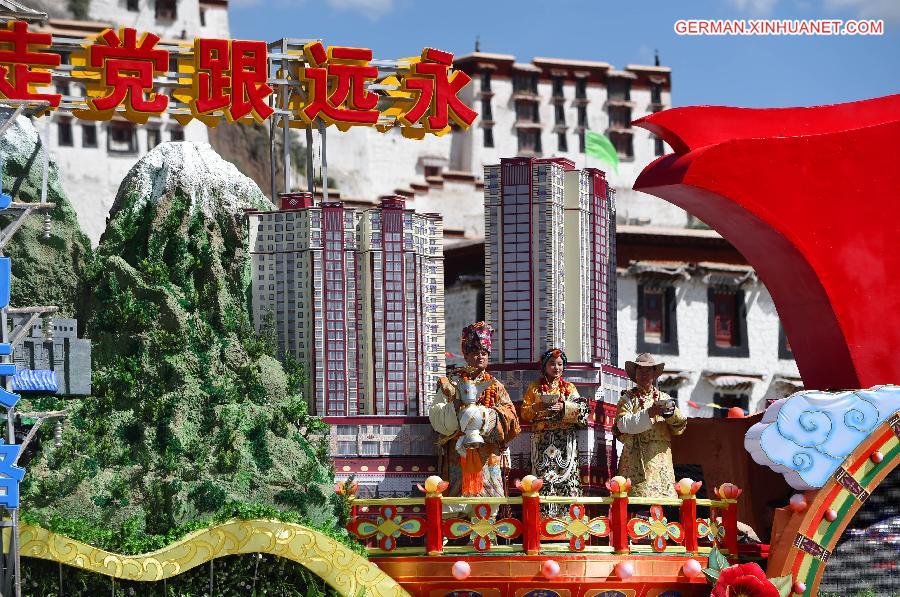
(600, 147)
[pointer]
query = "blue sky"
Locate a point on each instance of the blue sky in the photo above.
(743, 71)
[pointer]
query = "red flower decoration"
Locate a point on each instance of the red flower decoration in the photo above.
(744, 580)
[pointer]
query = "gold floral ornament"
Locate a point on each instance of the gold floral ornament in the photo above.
(658, 528)
(387, 527)
(577, 528)
(347, 572)
(348, 488)
(484, 526)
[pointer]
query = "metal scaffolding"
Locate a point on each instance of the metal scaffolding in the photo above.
(10, 571)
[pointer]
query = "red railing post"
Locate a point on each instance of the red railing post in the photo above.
(434, 532)
(729, 519)
(687, 491)
(618, 513)
(531, 513)
(434, 520)
(729, 493)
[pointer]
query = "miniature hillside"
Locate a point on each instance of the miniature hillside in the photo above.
(45, 271)
(190, 408)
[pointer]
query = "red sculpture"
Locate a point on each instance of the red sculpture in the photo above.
(810, 197)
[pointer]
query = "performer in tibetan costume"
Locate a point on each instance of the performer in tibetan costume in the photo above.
(646, 420)
(476, 420)
(556, 411)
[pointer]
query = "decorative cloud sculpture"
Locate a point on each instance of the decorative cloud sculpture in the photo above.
(807, 435)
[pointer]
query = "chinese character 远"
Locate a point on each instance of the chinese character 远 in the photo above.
(346, 102)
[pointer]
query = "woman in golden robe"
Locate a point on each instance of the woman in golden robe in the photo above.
(556, 411)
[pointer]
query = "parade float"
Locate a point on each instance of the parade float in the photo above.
(772, 182)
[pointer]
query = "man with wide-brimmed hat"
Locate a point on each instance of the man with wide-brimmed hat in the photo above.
(646, 420)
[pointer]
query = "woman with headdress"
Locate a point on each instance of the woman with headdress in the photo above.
(476, 420)
(556, 411)
(646, 420)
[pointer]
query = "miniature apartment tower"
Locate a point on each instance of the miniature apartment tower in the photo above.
(401, 281)
(590, 296)
(549, 261)
(356, 298)
(301, 256)
(550, 282)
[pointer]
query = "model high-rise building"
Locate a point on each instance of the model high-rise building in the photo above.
(304, 281)
(401, 278)
(357, 298)
(549, 261)
(590, 249)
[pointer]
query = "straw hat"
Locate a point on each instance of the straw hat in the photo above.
(645, 359)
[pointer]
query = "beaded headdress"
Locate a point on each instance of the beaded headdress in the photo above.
(477, 337)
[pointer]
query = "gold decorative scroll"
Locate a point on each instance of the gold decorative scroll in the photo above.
(347, 572)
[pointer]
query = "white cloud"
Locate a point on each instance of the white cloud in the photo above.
(889, 10)
(756, 8)
(371, 9)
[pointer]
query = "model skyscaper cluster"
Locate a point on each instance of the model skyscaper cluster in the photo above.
(357, 297)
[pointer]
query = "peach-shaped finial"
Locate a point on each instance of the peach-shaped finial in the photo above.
(876, 457)
(798, 502)
(530, 484)
(736, 412)
(799, 587)
(461, 570)
(830, 514)
(692, 568)
(624, 570)
(619, 484)
(728, 491)
(687, 487)
(550, 569)
(433, 485)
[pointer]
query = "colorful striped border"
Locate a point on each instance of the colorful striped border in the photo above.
(845, 493)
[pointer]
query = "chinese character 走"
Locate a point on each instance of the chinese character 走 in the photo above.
(18, 75)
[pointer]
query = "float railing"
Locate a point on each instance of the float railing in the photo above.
(531, 523)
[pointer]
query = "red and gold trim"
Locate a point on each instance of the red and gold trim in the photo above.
(816, 536)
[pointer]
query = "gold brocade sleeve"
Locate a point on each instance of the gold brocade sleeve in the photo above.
(676, 423)
(507, 421)
(529, 402)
